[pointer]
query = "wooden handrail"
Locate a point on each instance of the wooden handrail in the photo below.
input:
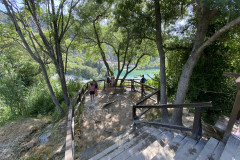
(146, 85)
(164, 125)
(185, 105)
(145, 98)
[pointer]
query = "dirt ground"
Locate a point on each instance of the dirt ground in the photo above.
(16, 138)
(20, 139)
(100, 120)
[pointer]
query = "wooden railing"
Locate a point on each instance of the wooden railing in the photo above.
(74, 104)
(197, 126)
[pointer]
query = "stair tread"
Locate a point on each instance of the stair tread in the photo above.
(95, 153)
(154, 148)
(231, 149)
(149, 152)
(169, 150)
(187, 150)
(96, 148)
(140, 144)
(208, 149)
(196, 149)
(218, 150)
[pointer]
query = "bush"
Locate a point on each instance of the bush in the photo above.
(39, 101)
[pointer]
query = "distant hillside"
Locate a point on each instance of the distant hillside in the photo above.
(4, 18)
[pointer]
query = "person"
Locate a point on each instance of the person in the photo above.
(237, 133)
(112, 81)
(96, 87)
(92, 89)
(142, 81)
(108, 81)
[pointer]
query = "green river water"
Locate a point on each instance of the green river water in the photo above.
(138, 73)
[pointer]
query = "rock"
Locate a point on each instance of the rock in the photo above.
(221, 124)
(97, 121)
(109, 131)
(30, 144)
(108, 116)
(62, 125)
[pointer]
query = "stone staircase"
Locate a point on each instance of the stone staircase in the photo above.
(148, 143)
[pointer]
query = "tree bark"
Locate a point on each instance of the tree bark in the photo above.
(199, 46)
(59, 66)
(165, 116)
(54, 98)
(110, 72)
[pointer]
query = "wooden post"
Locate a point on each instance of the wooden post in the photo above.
(79, 98)
(197, 124)
(134, 115)
(233, 117)
(158, 97)
(104, 85)
(132, 85)
(142, 91)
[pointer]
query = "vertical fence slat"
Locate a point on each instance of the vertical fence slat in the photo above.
(158, 97)
(132, 85)
(134, 115)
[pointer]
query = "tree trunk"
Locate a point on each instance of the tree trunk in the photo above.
(110, 72)
(59, 64)
(55, 101)
(183, 84)
(165, 116)
(199, 46)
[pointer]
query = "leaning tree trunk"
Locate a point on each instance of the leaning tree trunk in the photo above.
(54, 98)
(198, 48)
(165, 116)
(110, 72)
(183, 84)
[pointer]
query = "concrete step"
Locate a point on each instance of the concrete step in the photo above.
(232, 149)
(152, 149)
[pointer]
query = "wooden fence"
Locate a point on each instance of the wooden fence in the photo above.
(74, 104)
(197, 126)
